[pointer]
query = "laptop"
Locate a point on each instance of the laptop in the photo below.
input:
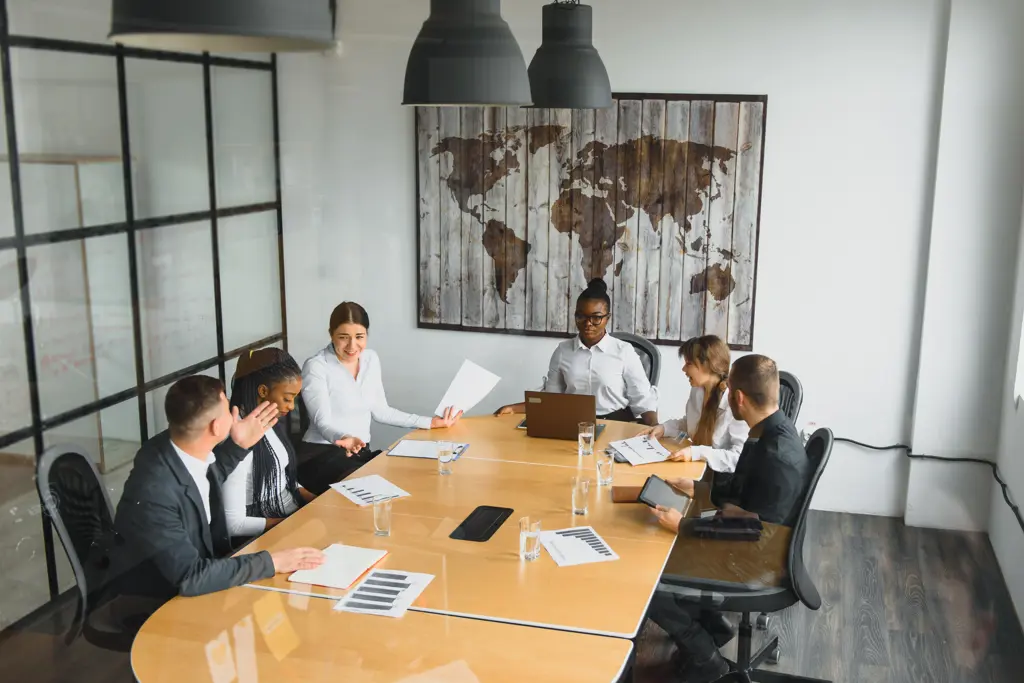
(558, 416)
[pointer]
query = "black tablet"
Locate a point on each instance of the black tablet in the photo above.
(481, 524)
(657, 491)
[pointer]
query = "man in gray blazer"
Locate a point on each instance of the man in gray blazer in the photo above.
(171, 523)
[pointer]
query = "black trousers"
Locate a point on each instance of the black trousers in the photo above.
(323, 464)
(622, 415)
(683, 622)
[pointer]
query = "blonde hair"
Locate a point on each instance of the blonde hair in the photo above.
(711, 355)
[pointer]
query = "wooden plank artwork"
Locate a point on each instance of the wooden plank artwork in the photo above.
(659, 195)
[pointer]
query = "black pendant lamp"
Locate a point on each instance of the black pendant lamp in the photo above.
(225, 25)
(567, 72)
(465, 54)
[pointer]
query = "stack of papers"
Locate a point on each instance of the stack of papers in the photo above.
(640, 450)
(471, 385)
(342, 568)
(579, 545)
(385, 593)
(364, 490)
(422, 449)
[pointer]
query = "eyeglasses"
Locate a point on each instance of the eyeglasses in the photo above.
(592, 319)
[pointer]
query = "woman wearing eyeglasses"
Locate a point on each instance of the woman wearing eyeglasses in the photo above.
(598, 364)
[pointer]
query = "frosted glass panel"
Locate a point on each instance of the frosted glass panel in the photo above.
(155, 403)
(111, 438)
(250, 282)
(85, 20)
(16, 413)
(23, 584)
(243, 136)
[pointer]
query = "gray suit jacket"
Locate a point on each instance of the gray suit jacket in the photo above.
(166, 547)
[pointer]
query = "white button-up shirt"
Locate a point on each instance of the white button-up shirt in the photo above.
(340, 405)
(198, 469)
(611, 371)
(238, 491)
(728, 439)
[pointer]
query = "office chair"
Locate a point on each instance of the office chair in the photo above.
(297, 427)
(797, 587)
(650, 357)
(791, 395)
(79, 508)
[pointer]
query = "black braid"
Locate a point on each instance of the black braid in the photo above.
(266, 500)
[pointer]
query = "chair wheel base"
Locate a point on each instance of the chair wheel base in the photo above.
(763, 621)
(774, 655)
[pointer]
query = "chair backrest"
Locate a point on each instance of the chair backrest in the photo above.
(818, 448)
(79, 508)
(650, 357)
(791, 395)
(297, 427)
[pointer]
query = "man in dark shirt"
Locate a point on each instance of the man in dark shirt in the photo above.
(771, 477)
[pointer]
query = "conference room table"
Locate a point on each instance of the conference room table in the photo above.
(486, 616)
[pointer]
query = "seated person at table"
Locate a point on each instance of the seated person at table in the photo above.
(171, 522)
(596, 363)
(771, 476)
(716, 436)
(263, 489)
(343, 392)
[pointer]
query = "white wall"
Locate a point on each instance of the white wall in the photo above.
(852, 114)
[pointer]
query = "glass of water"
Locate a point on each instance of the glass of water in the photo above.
(529, 539)
(587, 430)
(382, 516)
(445, 457)
(605, 469)
(580, 495)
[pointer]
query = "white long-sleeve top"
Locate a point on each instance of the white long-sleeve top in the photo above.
(728, 439)
(238, 491)
(340, 405)
(611, 371)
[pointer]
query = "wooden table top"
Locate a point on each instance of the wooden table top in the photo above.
(251, 635)
(756, 564)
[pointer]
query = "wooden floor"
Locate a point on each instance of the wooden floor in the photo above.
(901, 605)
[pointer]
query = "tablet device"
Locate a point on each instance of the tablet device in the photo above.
(481, 524)
(657, 491)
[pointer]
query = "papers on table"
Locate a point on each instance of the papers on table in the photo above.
(342, 568)
(640, 450)
(471, 384)
(364, 490)
(422, 449)
(579, 545)
(386, 593)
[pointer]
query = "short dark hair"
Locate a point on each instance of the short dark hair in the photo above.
(188, 400)
(597, 290)
(758, 378)
(347, 313)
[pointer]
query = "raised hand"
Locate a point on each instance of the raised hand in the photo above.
(351, 444)
(287, 561)
(450, 418)
(247, 433)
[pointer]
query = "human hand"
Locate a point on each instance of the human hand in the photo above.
(504, 410)
(682, 455)
(248, 432)
(682, 484)
(654, 432)
(351, 444)
(287, 561)
(668, 517)
(451, 416)
(272, 522)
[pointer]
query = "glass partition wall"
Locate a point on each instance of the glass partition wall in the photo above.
(140, 241)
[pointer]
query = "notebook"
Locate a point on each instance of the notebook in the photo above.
(343, 567)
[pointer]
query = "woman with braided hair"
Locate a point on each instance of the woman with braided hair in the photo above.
(263, 489)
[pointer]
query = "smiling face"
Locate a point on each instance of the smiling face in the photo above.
(349, 340)
(697, 373)
(282, 394)
(591, 320)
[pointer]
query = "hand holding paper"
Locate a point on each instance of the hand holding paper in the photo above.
(471, 385)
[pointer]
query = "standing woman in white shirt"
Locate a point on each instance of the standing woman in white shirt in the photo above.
(716, 436)
(343, 393)
(263, 489)
(596, 363)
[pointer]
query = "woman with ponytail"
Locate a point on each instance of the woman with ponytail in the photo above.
(263, 489)
(596, 363)
(717, 436)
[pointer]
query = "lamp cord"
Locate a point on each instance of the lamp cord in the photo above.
(918, 456)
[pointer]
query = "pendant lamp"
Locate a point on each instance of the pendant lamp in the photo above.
(567, 72)
(225, 25)
(465, 54)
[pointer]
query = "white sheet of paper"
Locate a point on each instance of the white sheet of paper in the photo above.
(385, 593)
(471, 385)
(342, 568)
(421, 449)
(641, 450)
(364, 490)
(578, 545)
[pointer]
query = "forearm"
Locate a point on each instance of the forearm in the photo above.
(210, 576)
(307, 496)
(650, 418)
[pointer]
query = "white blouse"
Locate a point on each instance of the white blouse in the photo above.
(611, 371)
(238, 489)
(340, 405)
(728, 439)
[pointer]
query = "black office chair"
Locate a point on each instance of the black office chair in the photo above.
(297, 426)
(733, 597)
(650, 357)
(79, 508)
(791, 395)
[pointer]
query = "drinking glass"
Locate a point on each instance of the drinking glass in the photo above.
(605, 469)
(580, 495)
(529, 539)
(445, 457)
(586, 443)
(382, 517)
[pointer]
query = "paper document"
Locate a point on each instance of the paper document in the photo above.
(386, 593)
(579, 545)
(471, 385)
(364, 490)
(342, 568)
(422, 449)
(641, 450)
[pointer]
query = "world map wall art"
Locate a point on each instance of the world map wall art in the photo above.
(660, 195)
